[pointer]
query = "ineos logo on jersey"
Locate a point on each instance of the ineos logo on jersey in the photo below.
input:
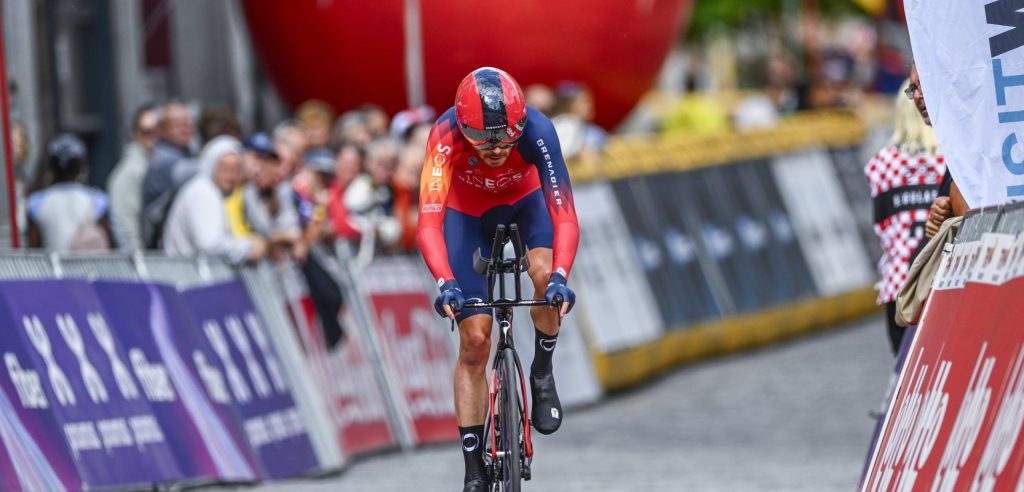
(437, 170)
(470, 442)
(498, 183)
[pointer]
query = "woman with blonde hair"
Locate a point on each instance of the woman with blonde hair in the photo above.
(904, 177)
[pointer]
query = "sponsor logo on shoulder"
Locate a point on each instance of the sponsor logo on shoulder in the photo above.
(431, 208)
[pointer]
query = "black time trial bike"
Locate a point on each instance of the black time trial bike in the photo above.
(508, 450)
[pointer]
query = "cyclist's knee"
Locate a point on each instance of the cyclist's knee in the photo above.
(540, 267)
(475, 341)
(474, 353)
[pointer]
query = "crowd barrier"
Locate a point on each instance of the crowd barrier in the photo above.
(133, 370)
(703, 245)
(955, 419)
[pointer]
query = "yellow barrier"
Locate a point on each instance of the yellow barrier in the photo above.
(638, 155)
(626, 368)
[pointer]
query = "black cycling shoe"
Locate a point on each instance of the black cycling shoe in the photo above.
(476, 485)
(547, 410)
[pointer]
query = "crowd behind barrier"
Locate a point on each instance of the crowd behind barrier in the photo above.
(954, 421)
(196, 370)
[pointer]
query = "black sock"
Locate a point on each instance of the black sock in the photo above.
(543, 349)
(472, 451)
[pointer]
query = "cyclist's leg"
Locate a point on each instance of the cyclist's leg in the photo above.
(538, 232)
(462, 237)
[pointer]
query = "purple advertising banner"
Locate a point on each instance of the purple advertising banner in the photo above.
(242, 353)
(71, 367)
(29, 432)
(169, 386)
(202, 386)
(8, 476)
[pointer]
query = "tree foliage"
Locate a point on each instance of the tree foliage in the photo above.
(730, 15)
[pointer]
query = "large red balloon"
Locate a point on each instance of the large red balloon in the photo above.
(349, 52)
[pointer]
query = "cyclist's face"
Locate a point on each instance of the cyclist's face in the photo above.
(495, 157)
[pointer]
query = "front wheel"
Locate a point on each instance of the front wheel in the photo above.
(511, 419)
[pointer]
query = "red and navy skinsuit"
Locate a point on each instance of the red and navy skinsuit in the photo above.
(462, 201)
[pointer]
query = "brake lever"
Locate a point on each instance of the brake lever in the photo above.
(454, 306)
(559, 300)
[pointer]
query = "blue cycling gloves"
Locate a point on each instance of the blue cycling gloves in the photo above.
(556, 286)
(450, 291)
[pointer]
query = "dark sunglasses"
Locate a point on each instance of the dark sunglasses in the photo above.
(495, 145)
(911, 89)
(500, 138)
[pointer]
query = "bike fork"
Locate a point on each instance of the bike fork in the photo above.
(525, 411)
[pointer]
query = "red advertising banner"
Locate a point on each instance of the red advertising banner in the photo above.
(356, 401)
(956, 419)
(416, 348)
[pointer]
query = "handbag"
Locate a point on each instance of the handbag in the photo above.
(918, 285)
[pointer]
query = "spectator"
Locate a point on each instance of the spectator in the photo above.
(904, 178)
(755, 112)
(406, 187)
(173, 146)
(949, 203)
(216, 121)
(580, 137)
(125, 186)
(347, 166)
(833, 87)
(541, 97)
(197, 222)
(370, 197)
(289, 134)
(351, 127)
(234, 204)
(762, 109)
(695, 114)
(268, 213)
(376, 120)
(19, 155)
(67, 215)
(312, 194)
(407, 119)
(315, 117)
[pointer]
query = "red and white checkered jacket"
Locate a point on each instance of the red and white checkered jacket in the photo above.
(903, 187)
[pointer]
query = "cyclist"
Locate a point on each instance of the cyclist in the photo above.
(491, 159)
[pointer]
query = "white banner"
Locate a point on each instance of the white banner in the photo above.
(820, 216)
(972, 73)
(615, 304)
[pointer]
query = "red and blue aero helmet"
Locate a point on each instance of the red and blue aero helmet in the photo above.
(490, 108)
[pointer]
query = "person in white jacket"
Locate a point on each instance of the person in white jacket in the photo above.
(197, 223)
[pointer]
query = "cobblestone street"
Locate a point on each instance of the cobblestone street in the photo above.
(790, 417)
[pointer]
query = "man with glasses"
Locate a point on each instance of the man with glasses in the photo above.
(949, 203)
(491, 159)
(125, 186)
